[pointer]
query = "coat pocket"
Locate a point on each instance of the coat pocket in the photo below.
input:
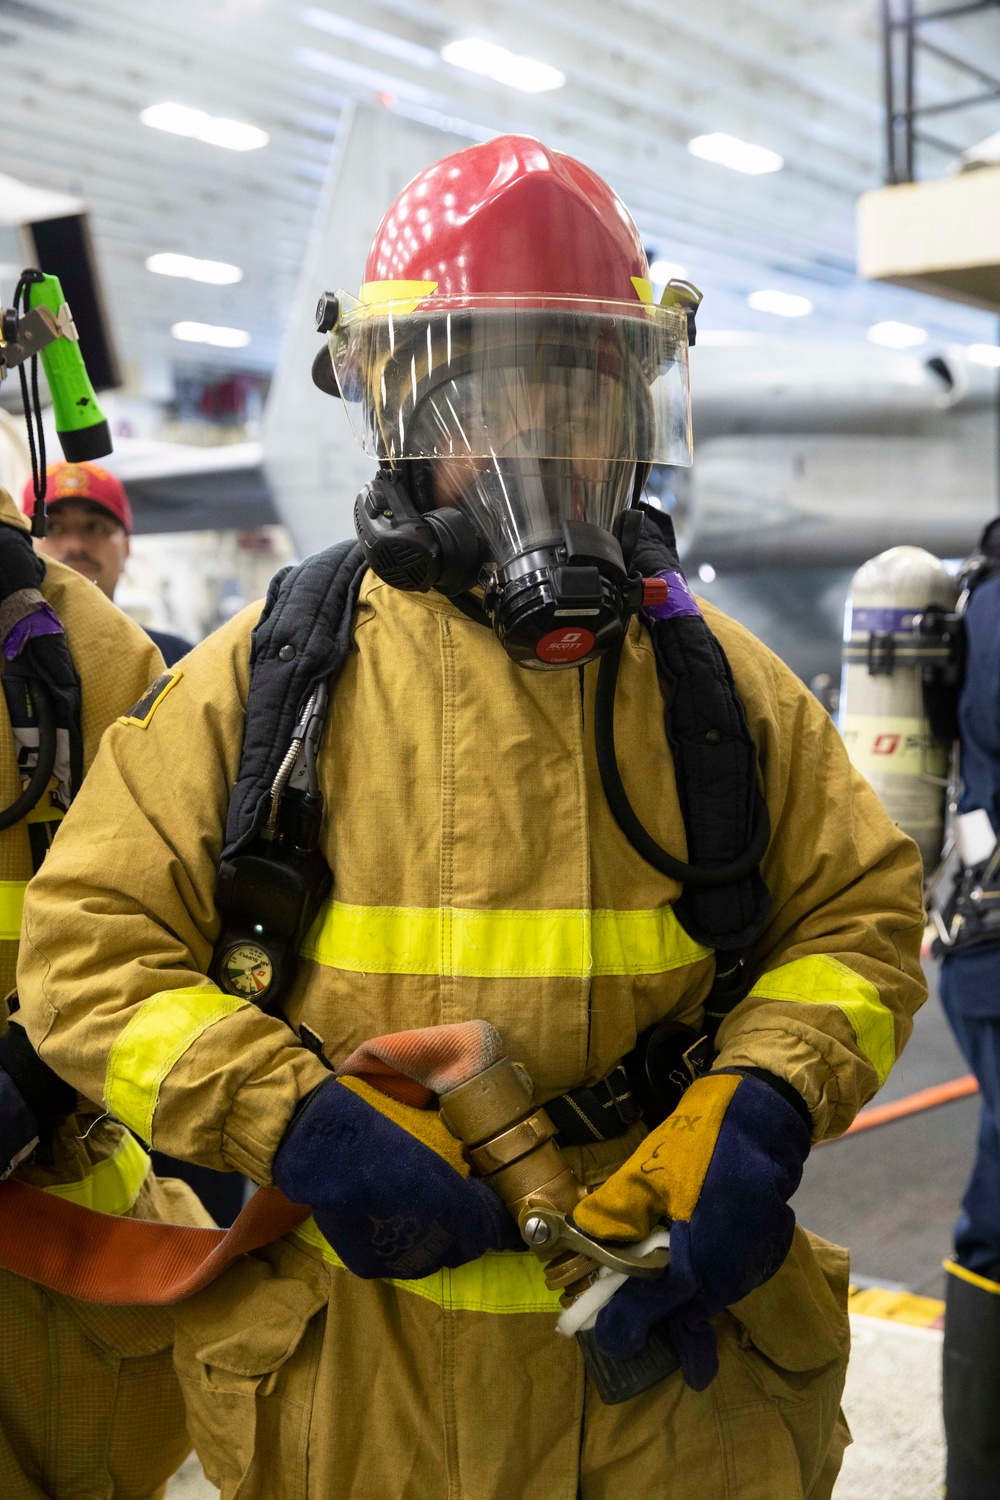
(794, 1339)
(246, 1354)
(798, 1320)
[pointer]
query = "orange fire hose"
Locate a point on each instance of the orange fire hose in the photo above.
(97, 1258)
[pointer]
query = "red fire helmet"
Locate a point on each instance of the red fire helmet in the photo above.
(511, 218)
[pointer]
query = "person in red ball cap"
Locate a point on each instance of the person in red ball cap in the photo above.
(90, 523)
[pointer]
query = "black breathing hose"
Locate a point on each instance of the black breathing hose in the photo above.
(41, 775)
(625, 815)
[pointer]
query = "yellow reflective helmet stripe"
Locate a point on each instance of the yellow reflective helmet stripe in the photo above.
(161, 1030)
(822, 980)
(113, 1185)
(402, 296)
(476, 944)
(501, 1281)
(11, 907)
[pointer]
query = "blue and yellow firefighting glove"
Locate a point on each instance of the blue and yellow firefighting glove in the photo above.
(387, 1184)
(721, 1168)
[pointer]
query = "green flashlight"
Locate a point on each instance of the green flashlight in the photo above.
(81, 425)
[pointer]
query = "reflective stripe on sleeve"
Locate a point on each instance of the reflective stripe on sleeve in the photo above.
(498, 944)
(501, 1281)
(11, 906)
(160, 1032)
(113, 1185)
(822, 980)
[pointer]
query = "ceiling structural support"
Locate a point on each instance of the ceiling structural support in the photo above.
(939, 236)
(906, 45)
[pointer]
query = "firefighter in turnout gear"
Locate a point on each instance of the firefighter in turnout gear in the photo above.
(89, 1403)
(667, 832)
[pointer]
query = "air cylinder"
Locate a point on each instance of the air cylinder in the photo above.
(883, 718)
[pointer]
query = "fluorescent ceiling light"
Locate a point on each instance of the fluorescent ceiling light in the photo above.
(984, 354)
(24, 203)
(730, 151)
(782, 304)
(218, 272)
(897, 335)
(367, 36)
(493, 61)
(179, 119)
(662, 271)
(211, 333)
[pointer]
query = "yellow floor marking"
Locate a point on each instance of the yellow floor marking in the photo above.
(896, 1307)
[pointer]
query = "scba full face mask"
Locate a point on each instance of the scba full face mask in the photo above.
(512, 429)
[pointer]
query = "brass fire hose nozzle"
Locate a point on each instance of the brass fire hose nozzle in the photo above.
(511, 1145)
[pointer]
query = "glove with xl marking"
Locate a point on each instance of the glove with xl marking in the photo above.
(387, 1184)
(722, 1168)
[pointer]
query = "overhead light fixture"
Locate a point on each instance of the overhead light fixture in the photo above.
(984, 354)
(489, 59)
(211, 333)
(216, 272)
(662, 271)
(897, 335)
(782, 304)
(214, 130)
(706, 573)
(740, 156)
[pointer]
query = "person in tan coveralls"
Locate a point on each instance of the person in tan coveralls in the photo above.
(89, 1402)
(478, 873)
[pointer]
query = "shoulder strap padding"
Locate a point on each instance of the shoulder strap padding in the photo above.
(715, 758)
(302, 637)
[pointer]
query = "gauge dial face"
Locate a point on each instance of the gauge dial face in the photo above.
(246, 970)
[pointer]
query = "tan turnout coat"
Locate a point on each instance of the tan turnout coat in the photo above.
(477, 873)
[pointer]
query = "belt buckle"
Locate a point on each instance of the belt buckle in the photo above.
(620, 1097)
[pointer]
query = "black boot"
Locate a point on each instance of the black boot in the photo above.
(972, 1386)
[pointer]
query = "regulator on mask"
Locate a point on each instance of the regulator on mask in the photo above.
(512, 436)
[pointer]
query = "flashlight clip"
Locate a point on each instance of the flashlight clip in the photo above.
(549, 1230)
(26, 336)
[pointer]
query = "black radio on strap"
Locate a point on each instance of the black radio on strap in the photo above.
(272, 876)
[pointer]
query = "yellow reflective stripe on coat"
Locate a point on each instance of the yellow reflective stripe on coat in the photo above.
(11, 907)
(477, 944)
(822, 980)
(161, 1030)
(501, 1281)
(113, 1185)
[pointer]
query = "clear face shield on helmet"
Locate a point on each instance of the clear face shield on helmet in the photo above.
(522, 426)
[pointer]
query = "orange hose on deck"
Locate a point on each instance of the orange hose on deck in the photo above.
(898, 1109)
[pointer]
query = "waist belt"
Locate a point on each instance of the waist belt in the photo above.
(596, 1112)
